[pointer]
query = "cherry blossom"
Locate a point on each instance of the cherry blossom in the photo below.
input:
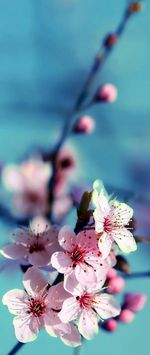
(80, 255)
(28, 183)
(87, 306)
(111, 224)
(36, 243)
(37, 307)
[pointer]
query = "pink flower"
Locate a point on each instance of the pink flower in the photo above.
(85, 124)
(111, 220)
(135, 301)
(28, 183)
(37, 307)
(87, 306)
(80, 256)
(36, 243)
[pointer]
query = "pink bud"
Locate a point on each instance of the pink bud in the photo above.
(116, 285)
(110, 325)
(135, 301)
(106, 93)
(126, 316)
(85, 124)
(111, 273)
(110, 40)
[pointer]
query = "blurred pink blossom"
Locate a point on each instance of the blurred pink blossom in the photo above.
(85, 124)
(36, 243)
(28, 184)
(135, 301)
(106, 93)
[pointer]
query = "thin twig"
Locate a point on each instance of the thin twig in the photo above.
(78, 350)
(16, 348)
(137, 275)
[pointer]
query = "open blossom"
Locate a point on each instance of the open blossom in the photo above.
(36, 243)
(80, 255)
(111, 224)
(87, 306)
(37, 307)
(28, 183)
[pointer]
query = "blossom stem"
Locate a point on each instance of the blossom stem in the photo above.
(99, 61)
(16, 348)
(78, 350)
(139, 274)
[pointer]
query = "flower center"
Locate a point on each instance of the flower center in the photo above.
(107, 225)
(85, 300)
(35, 247)
(77, 255)
(37, 307)
(32, 196)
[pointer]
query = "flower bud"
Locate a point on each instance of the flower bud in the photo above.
(135, 7)
(126, 316)
(134, 301)
(110, 325)
(106, 93)
(112, 273)
(85, 124)
(116, 285)
(110, 40)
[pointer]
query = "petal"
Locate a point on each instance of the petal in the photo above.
(56, 296)
(14, 251)
(88, 325)
(106, 306)
(39, 225)
(73, 338)
(61, 262)
(34, 281)
(72, 285)
(12, 178)
(121, 213)
(70, 310)
(102, 204)
(39, 258)
(26, 328)
(124, 239)
(15, 300)
(105, 243)
(67, 238)
(22, 236)
(85, 274)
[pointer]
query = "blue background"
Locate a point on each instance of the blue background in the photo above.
(46, 49)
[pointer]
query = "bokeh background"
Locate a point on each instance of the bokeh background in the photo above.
(46, 49)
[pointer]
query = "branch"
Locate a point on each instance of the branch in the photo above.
(16, 348)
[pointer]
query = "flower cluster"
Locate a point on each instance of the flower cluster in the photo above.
(74, 306)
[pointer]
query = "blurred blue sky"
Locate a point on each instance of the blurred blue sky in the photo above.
(46, 49)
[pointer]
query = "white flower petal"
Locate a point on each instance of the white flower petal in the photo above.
(105, 244)
(34, 281)
(70, 310)
(26, 329)
(88, 325)
(67, 238)
(125, 240)
(106, 306)
(121, 213)
(15, 300)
